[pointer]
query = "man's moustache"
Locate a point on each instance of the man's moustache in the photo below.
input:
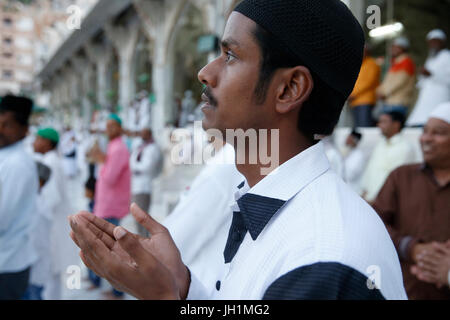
(207, 92)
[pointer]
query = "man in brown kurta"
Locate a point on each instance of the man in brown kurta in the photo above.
(414, 203)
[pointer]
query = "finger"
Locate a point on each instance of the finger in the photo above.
(107, 240)
(145, 220)
(426, 258)
(88, 241)
(432, 258)
(101, 235)
(76, 233)
(131, 244)
(74, 238)
(426, 277)
(102, 224)
(438, 247)
(425, 266)
(88, 261)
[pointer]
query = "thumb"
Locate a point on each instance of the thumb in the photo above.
(145, 220)
(131, 245)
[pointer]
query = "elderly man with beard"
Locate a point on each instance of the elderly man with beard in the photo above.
(415, 205)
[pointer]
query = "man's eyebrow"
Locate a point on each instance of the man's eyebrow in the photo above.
(229, 42)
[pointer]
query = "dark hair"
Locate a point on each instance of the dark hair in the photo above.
(397, 117)
(20, 118)
(90, 184)
(356, 134)
(54, 144)
(21, 107)
(320, 113)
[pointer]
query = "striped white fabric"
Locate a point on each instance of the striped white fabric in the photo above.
(322, 220)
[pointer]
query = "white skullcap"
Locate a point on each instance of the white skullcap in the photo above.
(402, 42)
(442, 112)
(436, 34)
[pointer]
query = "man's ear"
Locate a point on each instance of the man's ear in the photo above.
(295, 87)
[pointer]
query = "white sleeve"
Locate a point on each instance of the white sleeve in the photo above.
(197, 290)
(16, 185)
(441, 72)
(448, 278)
(354, 168)
(149, 160)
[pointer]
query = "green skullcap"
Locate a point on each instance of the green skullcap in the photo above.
(115, 117)
(49, 133)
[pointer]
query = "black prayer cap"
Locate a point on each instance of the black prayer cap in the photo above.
(20, 106)
(323, 34)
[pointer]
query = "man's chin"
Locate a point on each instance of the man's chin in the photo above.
(206, 125)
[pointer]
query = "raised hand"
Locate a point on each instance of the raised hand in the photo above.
(433, 265)
(147, 268)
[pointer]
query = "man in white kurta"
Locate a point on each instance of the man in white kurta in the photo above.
(55, 196)
(40, 237)
(354, 162)
(145, 163)
(434, 83)
(392, 151)
(68, 148)
(18, 195)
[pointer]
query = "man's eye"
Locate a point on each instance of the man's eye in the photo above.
(229, 57)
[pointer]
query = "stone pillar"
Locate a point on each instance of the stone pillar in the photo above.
(124, 39)
(101, 54)
(161, 23)
(84, 68)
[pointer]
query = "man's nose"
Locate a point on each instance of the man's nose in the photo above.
(206, 75)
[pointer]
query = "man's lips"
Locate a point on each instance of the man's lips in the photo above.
(207, 102)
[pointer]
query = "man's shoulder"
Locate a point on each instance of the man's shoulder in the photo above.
(118, 146)
(18, 159)
(445, 54)
(406, 170)
(371, 62)
(330, 200)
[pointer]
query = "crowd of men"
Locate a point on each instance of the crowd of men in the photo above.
(397, 90)
(115, 179)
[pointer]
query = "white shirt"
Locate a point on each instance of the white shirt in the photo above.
(354, 165)
(199, 224)
(434, 89)
(146, 169)
(41, 269)
(18, 194)
(303, 217)
(388, 155)
(334, 156)
(68, 148)
(54, 193)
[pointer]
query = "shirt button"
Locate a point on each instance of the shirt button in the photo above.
(236, 236)
(218, 285)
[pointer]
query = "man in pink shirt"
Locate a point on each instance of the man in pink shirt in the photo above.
(113, 187)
